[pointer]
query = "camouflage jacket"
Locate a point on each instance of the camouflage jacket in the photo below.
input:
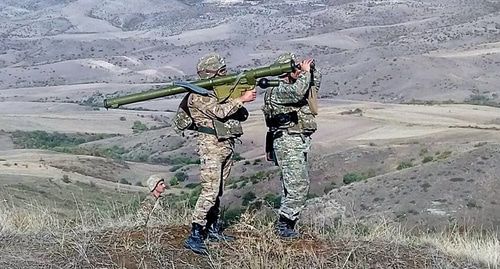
(290, 98)
(149, 211)
(206, 111)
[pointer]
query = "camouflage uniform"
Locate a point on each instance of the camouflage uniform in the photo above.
(150, 211)
(214, 120)
(215, 153)
(291, 123)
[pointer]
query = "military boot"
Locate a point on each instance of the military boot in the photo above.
(286, 228)
(195, 241)
(215, 232)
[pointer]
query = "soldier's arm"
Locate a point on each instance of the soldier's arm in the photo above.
(292, 93)
(143, 213)
(209, 106)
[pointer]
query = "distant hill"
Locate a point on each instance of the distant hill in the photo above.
(388, 51)
(461, 190)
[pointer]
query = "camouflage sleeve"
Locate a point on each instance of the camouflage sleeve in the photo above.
(143, 213)
(292, 93)
(209, 106)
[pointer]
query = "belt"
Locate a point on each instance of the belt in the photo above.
(206, 130)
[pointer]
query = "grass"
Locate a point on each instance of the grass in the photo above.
(108, 238)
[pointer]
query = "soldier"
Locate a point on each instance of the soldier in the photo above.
(289, 110)
(217, 125)
(151, 206)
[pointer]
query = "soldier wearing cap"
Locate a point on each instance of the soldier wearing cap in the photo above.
(207, 115)
(289, 111)
(151, 207)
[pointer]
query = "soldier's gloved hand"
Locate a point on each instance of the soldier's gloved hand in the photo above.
(248, 96)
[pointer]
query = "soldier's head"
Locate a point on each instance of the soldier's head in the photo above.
(156, 184)
(211, 65)
(287, 57)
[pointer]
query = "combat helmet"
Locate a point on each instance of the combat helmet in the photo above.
(209, 65)
(153, 181)
(285, 58)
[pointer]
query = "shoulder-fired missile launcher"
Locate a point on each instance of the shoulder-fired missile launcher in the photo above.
(229, 86)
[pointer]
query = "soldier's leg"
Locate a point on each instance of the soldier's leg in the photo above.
(215, 165)
(212, 156)
(291, 155)
(214, 225)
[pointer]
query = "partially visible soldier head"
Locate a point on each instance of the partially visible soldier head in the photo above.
(156, 184)
(285, 58)
(211, 65)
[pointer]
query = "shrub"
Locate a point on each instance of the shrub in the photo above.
(139, 127)
(352, 177)
(124, 181)
(273, 199)
(65, 179)
(247, 198)
(232, 215)
(427, 159)
(237, 157)
(181, 176)
(404, 164)
(173, 181)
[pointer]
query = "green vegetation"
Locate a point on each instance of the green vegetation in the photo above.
(273, 199)
(443, 155)
(404, 164)
(427, 159)
(247, 198)
(124, 181)
(173, 181)
(45, 140)
(356, 176)
(237, 157)
(181, 176)
(139, 127)
(232, 215)
(192, 185)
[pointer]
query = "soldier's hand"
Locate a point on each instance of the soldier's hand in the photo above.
(249, 96)
(305, 65)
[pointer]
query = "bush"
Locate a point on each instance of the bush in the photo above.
(193, 196)
(65, 179)
(173, 181)
(175, 167)
(139, 127)
(404, 164)
(192, 185)
(352, 177)
(124, 181)
(247, 198)
(232, 215)
(427, 159)
(273, 199)
(237, 157)
(181, 176)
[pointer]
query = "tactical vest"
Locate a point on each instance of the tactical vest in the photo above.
(227, 128)
(298, 118)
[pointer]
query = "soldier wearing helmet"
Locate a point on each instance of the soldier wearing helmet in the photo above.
(211, 119)
(289, 111)
(151, 207)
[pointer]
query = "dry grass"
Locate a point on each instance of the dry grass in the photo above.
(109, 239)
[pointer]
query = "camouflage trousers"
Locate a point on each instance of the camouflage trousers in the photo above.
(215, 166)
(291, 156)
